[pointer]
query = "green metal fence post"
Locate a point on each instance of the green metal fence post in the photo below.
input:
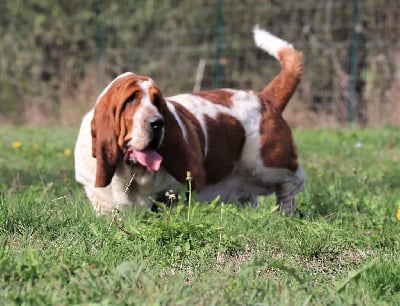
(353, 63)
(99, 32)
(218, 53)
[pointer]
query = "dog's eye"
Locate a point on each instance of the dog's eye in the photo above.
(131, 98)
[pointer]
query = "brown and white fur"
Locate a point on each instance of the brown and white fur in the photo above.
(235, 142)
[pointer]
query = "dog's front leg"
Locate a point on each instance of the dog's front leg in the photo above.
(286, 192)
(286, 205)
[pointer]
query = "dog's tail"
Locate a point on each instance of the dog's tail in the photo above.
(282, 87)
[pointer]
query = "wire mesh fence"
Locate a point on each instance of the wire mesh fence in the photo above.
(57, 56)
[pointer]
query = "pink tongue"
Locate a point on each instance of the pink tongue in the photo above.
(149, 158)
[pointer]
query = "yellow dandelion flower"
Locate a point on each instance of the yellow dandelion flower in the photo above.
(16, 144)
(35, 147)
(398, 213)
(67, 152)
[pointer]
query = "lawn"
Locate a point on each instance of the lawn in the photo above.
(54, 250)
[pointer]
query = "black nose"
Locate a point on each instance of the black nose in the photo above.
(156, 123)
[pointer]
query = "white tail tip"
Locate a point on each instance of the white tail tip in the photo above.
(269, 42)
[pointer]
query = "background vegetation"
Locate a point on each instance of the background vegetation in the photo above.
(56, 56)
(55, 251)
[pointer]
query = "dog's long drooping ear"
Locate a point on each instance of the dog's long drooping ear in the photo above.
(104, 140)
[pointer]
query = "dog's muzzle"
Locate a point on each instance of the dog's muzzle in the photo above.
(148, 157)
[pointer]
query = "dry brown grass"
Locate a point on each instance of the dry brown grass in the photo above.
(383, 106)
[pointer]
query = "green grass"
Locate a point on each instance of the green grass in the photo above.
(55, 251)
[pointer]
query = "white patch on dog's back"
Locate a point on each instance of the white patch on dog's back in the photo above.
(178, 119)
(246, 109)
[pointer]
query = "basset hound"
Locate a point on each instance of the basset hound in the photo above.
(235, 143)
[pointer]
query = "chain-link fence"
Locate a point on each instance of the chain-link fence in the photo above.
(57, 56)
